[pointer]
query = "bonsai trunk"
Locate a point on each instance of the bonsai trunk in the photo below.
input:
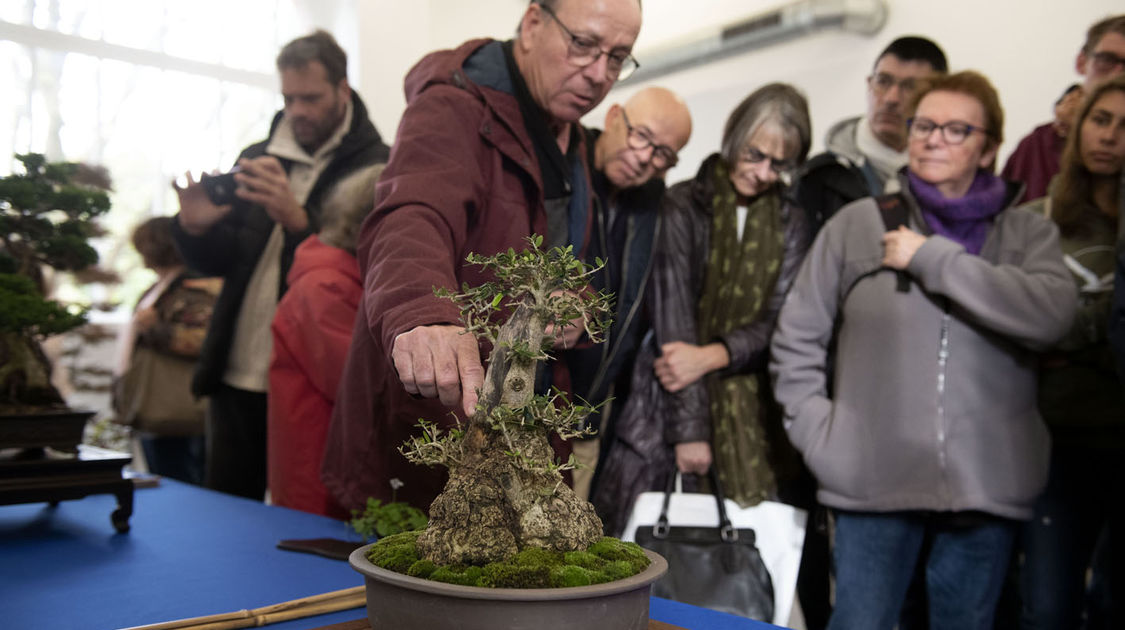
(496, 504)
(25, 375)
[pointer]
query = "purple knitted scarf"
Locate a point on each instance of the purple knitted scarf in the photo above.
(966, 219)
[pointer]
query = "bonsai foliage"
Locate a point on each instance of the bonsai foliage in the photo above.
(506, 492)
(47, 216)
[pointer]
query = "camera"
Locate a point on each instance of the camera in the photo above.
(220, 188)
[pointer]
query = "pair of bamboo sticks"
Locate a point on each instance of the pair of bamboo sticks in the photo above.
(334, 601)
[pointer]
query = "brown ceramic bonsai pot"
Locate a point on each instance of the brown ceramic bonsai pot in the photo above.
(401, 602)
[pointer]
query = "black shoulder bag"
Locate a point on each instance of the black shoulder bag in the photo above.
(713, 567)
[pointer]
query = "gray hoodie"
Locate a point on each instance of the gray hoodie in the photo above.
(934, 404)
(840, 140)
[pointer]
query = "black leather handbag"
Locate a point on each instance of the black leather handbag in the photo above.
(714, 567)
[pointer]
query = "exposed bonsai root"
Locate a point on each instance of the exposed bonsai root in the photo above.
(491, 511)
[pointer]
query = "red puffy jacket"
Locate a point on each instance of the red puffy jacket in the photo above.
(311, 333)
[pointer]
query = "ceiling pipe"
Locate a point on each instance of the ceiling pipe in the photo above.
(795, 19)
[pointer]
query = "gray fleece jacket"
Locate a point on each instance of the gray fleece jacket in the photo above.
(934, 404)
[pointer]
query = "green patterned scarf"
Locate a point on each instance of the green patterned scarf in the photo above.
(739, 279)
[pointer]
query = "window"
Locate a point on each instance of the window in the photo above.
(147, 88)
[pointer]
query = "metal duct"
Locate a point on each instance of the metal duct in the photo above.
(865, 17)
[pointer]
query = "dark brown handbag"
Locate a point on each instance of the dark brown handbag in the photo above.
(714, 567)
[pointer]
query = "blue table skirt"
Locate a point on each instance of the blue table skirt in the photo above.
(191, 552)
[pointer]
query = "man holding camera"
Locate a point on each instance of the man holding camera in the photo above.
(322, 134)
(489, 150)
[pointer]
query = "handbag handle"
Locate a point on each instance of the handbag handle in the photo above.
(726, 530)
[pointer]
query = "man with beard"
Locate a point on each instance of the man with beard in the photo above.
(321, 135)
(489, 151)
(864, 153)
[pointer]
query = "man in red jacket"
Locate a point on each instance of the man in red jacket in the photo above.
(489, 150)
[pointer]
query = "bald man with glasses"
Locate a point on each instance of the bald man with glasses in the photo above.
(489, 151)
(629, 158)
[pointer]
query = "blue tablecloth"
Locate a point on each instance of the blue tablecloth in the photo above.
(191, 552)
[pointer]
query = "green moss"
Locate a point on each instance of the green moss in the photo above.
(619, 570)
(605, 561)
(503, 575)
(396, 553)
(570, 575)
(613, 550)
(533, 556)
(584, 559)
(458, 574)
(421, 569)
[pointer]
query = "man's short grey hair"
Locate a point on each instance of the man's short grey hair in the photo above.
(775, 103)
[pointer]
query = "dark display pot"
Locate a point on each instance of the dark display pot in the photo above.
(60, 430)
(400, 602)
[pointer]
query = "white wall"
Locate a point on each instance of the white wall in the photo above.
(1027, 48)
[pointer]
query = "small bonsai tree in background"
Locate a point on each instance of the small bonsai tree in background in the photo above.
(505, 491)
(47, 216)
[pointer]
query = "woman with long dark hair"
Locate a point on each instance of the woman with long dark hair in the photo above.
(1079, 394)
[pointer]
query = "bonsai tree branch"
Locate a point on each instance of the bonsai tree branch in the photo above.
(506, 491)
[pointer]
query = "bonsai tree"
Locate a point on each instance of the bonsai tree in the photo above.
(505, 491)
(47, 215)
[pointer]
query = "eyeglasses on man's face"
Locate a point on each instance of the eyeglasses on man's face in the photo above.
(663, 156)
(1106, 62)
(881, 83)
(583, 51)
(781, 168)
(954, 131)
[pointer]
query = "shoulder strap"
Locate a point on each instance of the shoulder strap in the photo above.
(893, 209)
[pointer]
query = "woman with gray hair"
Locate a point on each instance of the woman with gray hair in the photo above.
(729, 245)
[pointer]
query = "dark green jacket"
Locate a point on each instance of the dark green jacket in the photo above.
(1079, 394)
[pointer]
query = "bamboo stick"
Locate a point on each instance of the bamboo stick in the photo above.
(333, 601)
(344, 603)
(194, 621)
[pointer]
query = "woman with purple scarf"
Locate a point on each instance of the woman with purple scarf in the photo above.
(924, 435)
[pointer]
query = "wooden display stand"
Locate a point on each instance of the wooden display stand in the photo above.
(39, 474)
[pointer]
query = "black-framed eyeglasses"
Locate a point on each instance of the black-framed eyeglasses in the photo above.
(954, 131)
(881, 83)
(583, 51)
(781, 168)
(663, 156)
(1105, 62)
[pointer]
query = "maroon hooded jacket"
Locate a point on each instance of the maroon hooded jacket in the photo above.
(1035, 161)
(463, 177)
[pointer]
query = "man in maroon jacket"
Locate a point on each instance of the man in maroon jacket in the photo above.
(1036, 160)
(489, 150)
